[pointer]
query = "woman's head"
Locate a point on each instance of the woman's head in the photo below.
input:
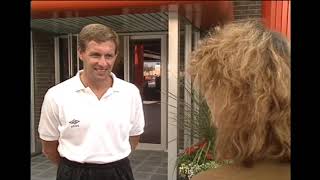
(243, 70)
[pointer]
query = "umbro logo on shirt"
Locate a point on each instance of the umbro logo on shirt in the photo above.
(74, 123)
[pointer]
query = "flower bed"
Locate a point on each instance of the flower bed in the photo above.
(196, 159)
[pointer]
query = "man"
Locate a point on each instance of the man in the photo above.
(90, 123)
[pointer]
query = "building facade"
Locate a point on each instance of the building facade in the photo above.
(155, 41)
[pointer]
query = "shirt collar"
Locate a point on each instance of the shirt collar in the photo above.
(116, 83)
(78, 85)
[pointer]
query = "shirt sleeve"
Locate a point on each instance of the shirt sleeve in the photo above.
(138, 116)
(49, 122)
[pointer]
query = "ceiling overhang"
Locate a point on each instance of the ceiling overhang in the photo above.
(202, 14)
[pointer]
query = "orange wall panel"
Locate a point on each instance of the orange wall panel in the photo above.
(276, 15)
(273, 15)
(289, 21)
(284, 21)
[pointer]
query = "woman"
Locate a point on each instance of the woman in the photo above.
(243, 70)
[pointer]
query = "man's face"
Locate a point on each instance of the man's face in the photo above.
(98, 59)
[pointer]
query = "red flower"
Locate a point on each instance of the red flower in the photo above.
(209, 156)
(194, 148)
(203, 144)
(190, 150)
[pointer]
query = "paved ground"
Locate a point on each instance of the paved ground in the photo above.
(146, 165)
(152, 129)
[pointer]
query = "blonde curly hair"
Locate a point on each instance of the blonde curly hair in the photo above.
(248, 67)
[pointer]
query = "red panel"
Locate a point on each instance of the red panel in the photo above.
(203, 14)
(278, 15)
(266, 12)
(273, 15)
(284, 24)
(289, 21)
(61, 9)
(37, 6)
(138, 63)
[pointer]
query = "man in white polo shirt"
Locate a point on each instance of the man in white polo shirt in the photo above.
(90, 123)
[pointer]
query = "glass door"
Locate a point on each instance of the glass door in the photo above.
(146, 62)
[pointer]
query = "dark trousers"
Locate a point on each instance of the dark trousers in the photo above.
(70, 170)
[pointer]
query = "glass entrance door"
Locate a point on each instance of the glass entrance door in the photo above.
(148, 71)
(146, 62)
(145, 74)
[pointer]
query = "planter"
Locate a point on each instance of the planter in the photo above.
(182, 178)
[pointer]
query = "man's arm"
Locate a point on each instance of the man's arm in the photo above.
(50, 150)
(134, 141)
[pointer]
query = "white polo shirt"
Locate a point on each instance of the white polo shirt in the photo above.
(88, 129)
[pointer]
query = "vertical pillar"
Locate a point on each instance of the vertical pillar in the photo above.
(173, 66)
(33, 147)
(187, 82)
(126, 57)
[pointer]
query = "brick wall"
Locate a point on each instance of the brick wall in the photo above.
(247, 9)
(43, 57)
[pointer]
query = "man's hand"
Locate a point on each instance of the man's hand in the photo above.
(134, 141)
(50, 150)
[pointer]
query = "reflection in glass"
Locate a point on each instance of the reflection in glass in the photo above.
(145, 73)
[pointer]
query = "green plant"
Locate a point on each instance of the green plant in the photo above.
(194, 117)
